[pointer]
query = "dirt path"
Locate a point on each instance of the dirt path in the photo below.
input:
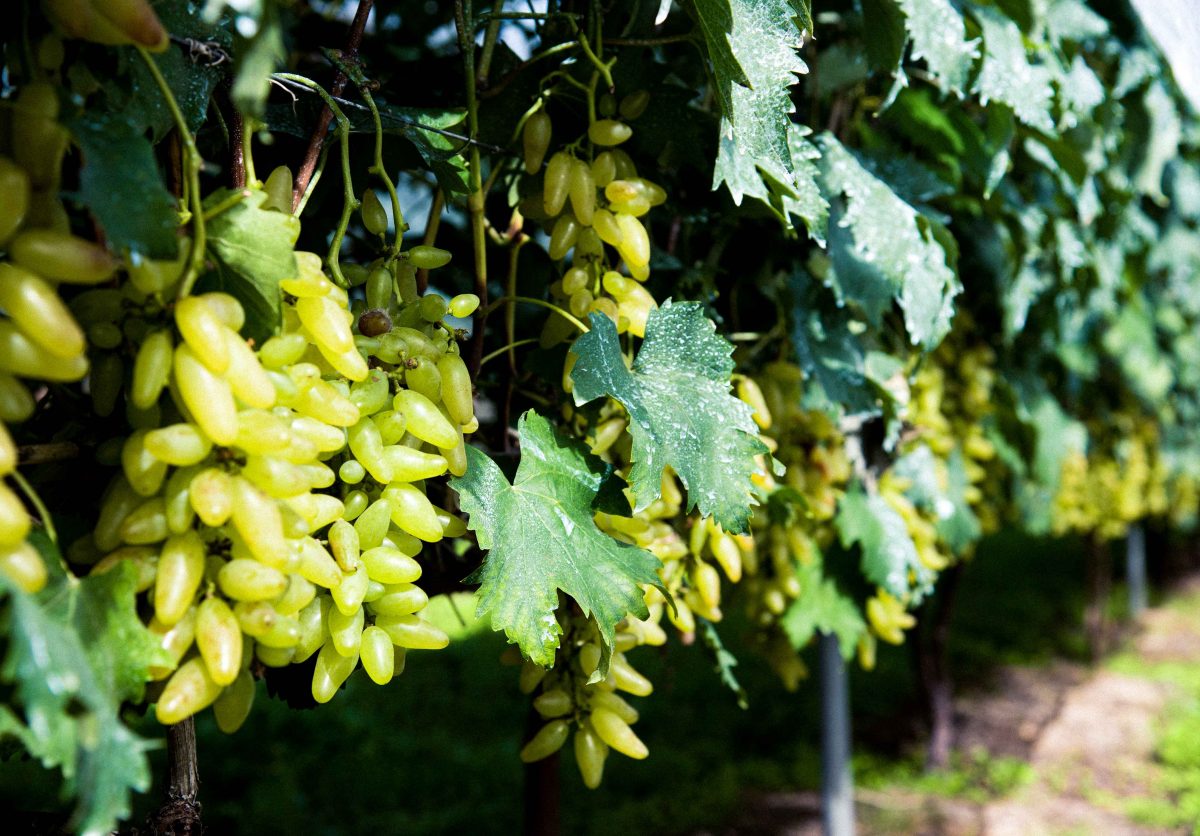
(1088, 735)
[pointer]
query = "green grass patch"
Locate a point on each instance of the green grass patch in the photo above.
(976, 776)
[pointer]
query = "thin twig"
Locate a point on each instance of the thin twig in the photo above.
(54, 451)
(432, 224)
(321, 131)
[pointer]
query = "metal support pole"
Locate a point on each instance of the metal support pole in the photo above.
(837, 783)
(1135, 569)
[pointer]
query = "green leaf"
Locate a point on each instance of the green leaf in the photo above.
(1161, 142)
(192, 78)
(681, 412)
(805, 203)
(889, 557)
(1072, 20)
(1008, 76)
(723, 661)
(253, 247)
(884, 36)
(258, 51)
(940, 488)
(939, 38)
(74, 653)
(822, 608)
(441, 153)
(120, 183)
(891, 250)
(752, 44)
(829, 352)
(541, 539)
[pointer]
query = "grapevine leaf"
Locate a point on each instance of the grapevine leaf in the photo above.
(891, 251)
(1007, 75)
(723, 661)
(542, 539)
(1072, 20)
(939, 38)
(191, 78)
(681, 412)
(884, 20)
(828, 352)
(253, 247)
(889, 557)
(806, 203)
(822, 608)
(752, 44)
(258, 50)
(73, 655)
(1161, 141)
(442, 154)
(121, 184)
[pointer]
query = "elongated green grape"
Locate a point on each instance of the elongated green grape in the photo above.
(590, 754)
(425, 257)
(219, 640)
(617, 734)
(548, 740)
(378, 655)
(424, 420)
(535, 138)
(557, 182)
(190, 689)
(374, 216)
(609, 132)
(233, 706)
(582, 191)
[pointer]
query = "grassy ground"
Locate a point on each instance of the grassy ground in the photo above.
(435, 752)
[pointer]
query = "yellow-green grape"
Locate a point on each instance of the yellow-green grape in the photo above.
(16, 404)
(190, 689)
(535, 138)
(635, 242)
(366, 443)
(412, 513)
(345, 631)
(548, 740)
(617, 734)
(456, 391)
(219, 640)
(634, 105)
(372, 524)
(380, 287)
(14, 520)
(248, 580)
(389, 565)
(62, 257)
(178, 444)
(38, 140)
(326, 321)
(14, 185)
(422, 376)
(232, 708)
(425, 257)
(22, 357)
(378, 655)
(180, 571)
(609, 132)
(604, 169)
(279, 190)
(203, 331)
(554, 703)
(208, 397)
(374, 216)
(629, 680)
(424, 420)
(432, 307)
(151, 369)
(581, 188)
(410, 632)
(331, 671)
(563, 236)
(557, 182)
(211, 496)
(409, 465)
(464, 305)
(36, 309)
(399, 599)
(590, 754)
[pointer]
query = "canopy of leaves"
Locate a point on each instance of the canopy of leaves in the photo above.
(681, 412)
(822, 608)
(889, 558)
(541, 539)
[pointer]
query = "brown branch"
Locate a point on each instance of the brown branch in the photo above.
(55, 451)
(317, 140)
(665, 39)
(180, 815)
(237, 151)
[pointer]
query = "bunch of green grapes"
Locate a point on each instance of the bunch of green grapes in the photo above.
(1122, 479)
(567, 698)
(274, 501)
(591, 205)
(40, 340)
(812, 449)
(952, 398)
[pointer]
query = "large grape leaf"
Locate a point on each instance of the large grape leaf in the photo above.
(822, 608)
(1008, 76)
(253, 247)
(542, 539)
(892, 251)
(939, 38)
(121, 184)
(752, 45)
(889, 557)
(74, 654)
(681, 412)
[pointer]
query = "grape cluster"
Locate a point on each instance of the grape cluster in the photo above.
(274, 501)
(567, 698)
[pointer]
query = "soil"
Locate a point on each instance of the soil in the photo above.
(1089, 735)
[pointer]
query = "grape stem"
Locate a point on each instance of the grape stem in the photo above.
(432, 224)
(529, 300)
(349, 199)
(316, 143)
(492, 355)
(191, 166)
(377, 168)
(36, 501)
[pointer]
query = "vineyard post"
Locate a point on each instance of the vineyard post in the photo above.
(837, 782)
(1135, 569)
